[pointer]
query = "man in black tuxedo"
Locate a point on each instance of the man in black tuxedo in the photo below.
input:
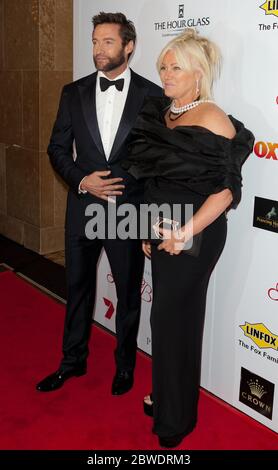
(97, 113)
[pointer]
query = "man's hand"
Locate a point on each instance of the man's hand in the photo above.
(146, 247)
(102, 188)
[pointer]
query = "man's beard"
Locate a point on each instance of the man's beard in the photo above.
(112, 63)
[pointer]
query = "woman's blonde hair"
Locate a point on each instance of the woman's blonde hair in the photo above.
(195, 52)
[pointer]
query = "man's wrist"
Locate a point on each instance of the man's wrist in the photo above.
(80, 189)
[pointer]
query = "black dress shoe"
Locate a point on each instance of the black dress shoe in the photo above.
(122, 382)
(54, 381)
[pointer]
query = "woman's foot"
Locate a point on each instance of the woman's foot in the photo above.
(148, 405)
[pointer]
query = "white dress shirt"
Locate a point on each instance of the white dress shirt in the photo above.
(109, 109)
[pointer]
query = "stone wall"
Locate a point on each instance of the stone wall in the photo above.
(36, 46)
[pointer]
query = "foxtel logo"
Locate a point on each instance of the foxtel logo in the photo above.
(266, 150)
(260, 335)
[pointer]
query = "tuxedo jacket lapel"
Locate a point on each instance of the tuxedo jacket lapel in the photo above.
(133, 104)
(88, 101)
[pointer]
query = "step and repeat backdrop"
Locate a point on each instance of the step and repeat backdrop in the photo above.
(240, 352)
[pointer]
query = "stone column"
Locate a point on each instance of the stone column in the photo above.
(36, 47)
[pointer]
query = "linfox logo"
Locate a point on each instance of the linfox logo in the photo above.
(260, 335)
(267, 150)
(270, 7)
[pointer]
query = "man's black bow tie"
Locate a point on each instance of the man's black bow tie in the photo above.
(104, 83)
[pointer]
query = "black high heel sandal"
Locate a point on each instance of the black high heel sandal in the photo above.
(148, 407)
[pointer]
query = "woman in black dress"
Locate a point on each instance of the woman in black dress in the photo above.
(190, 152)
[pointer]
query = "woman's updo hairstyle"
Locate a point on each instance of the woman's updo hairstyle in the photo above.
(195, 52)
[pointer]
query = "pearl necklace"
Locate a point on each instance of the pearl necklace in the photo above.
(187, 107)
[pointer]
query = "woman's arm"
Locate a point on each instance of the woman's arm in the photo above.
(210, 210)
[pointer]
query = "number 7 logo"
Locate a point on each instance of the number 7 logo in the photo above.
(110, 309)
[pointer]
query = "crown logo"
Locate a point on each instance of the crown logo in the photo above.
(256, 389)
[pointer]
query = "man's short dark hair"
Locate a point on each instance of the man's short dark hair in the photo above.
(127, 28)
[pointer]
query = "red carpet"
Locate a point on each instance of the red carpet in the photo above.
(84, 414)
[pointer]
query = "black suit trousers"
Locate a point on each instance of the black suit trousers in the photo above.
(126, 260)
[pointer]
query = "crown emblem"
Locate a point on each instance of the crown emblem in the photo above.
(256, 389)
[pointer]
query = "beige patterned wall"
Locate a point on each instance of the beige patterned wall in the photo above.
(35, 62)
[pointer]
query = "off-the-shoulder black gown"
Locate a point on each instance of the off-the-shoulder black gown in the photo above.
(183, 165)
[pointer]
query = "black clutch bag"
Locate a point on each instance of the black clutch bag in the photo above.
(192, 247)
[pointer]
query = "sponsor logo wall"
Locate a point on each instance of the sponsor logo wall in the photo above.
(240, 353)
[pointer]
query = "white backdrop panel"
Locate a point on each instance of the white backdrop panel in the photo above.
(238, 291)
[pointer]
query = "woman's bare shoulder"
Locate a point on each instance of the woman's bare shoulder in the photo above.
(216, 120)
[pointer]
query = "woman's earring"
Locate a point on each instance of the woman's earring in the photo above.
(197, 87)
